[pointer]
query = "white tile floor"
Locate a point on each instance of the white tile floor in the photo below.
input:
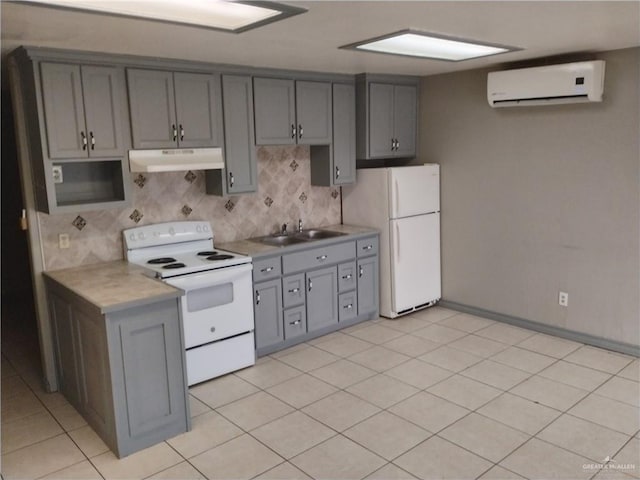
(436, 394)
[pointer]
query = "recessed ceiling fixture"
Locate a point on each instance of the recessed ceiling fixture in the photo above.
(224, 15)
(413, 43)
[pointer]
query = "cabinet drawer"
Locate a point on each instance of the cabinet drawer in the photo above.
(293, 290)
(346, 276)
(347, 306)
(316, 257)
(266, 269)
(295, 322)
(367, 246)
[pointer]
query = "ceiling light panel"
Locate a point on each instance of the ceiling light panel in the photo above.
(427, 45)
(214, 14)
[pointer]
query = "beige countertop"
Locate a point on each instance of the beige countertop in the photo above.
(255, 249)
(112, 286)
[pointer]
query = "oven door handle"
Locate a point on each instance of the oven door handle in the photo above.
(210, 278)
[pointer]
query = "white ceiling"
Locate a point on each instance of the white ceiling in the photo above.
(310, 41)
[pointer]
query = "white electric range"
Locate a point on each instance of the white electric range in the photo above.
(217, 307)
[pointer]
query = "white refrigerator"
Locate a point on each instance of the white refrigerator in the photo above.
(404, 204)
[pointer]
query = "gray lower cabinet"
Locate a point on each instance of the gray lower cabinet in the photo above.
(312, 291)
(174, 109)
(335, 164)
(268, 313)
(123, 371)
(289, 112)
(241, 172)
(322, 301)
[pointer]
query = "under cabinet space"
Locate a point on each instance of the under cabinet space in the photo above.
(91, 182)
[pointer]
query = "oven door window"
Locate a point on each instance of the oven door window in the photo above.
(209, 297)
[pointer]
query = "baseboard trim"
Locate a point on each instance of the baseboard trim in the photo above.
(585, 338)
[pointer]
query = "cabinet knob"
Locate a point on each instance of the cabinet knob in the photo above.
(397, 144)
(297, 322)
(257, 297)
(321, 258)
(231, 179)
(337, 172)
(300, 131)
(310, 284)
(294, 290)
(84, 140)
(360, 272)
(174, 132)
(212, 329)
(367, 247)
(293, 131)
(347, 277)
(266, 269)
(348, 307)
(93, 141)
(181, 133)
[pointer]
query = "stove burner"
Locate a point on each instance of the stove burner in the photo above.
(160, 261)
(219, 256)
(207, 253)
(174, 265)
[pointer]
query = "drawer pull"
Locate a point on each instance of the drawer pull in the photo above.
(367, 247)
(349, 306)
(361, 272)
(294, 290)
(310, 284)
(212, 329)
(257, 297)
(321, 257)
(266, 270)
(297, 322)
(347, 277)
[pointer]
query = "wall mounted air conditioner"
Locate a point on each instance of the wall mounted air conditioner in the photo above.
(566, 83)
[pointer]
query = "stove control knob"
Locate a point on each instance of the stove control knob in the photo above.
(141, 236)
(172, 231)
(205, 228)
(199, 229)
(132, 237)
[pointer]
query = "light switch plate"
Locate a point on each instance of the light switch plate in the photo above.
(63, 240)
(56, 170)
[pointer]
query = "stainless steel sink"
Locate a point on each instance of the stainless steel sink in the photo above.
(279, 240)
(317, 234)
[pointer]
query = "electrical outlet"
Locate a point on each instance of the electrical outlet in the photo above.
(56, 170)
(63, 240)
(563, 299)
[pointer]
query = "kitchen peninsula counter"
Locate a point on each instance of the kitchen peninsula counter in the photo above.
(112, 286)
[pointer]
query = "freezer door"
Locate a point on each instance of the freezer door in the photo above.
(415, 261)
(414, 190)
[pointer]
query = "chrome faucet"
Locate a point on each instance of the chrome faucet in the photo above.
(300, 225)
(284, 229)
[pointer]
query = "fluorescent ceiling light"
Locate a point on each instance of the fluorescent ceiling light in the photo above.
(215, 14)
(427, 45)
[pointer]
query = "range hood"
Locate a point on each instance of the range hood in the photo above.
(175, 159)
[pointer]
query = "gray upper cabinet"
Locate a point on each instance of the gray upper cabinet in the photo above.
(171, 110)
(289, 112)
(386, 116)
(83, 110)
(335, 164)
(241, 172)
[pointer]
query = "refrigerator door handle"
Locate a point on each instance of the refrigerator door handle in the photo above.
(397, 198)
(398, 241)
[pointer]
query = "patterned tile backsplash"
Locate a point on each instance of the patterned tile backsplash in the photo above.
(284, 195)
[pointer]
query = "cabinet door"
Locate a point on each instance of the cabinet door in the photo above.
(66, 351)
(344, 134)
(152, 109)
(147, 365)
(405, 105)
(239, 149)
(198, 109)
(63, 110)
(322, 298)
(274, 111)
(267, 305)
(380, 120)
(103, 92)
(313, 112)
(367, 285)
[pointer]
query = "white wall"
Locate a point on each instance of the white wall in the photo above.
(541, 199)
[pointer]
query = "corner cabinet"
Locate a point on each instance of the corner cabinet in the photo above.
(123, 371)
(308, 292)
(335, 164)
(289, 112)
(241, 171)
(387, 116)
(174, 109)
